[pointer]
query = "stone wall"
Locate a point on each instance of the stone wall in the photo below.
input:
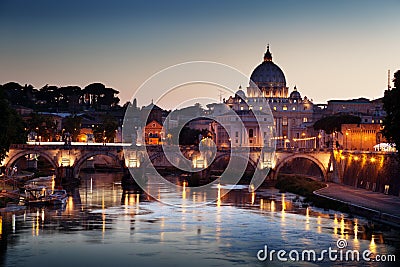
(375, 171)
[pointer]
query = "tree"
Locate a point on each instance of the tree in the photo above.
(43, 126)
(391, 104)
(105, 132)
(69, 97)
(72, 125)
(99, 97)
(11, 127)
(20, 95)
(334, 123)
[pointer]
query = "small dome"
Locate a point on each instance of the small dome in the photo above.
(240, 93)
(295, 94)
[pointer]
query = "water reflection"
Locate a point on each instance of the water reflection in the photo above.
(125, 226)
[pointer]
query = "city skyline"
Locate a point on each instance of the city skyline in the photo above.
(328, 50)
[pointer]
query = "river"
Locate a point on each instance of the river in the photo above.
(102, 225)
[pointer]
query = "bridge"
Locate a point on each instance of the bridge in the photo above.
(73, 157)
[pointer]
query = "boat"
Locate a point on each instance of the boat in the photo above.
(58, 197)
(39, 195)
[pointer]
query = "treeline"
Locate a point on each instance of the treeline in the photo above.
(95, 96)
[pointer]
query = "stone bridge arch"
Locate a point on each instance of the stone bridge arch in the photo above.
(13, 158)
(160, 154)
(249, 159)
(78, 164)
(316, 161)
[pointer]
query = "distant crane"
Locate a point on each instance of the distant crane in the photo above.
(221, 93)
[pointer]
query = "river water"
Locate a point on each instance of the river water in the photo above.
(102, 225)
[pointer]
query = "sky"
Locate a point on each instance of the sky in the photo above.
(328, 49)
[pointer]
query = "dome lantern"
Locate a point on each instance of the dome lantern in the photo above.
(268, 55)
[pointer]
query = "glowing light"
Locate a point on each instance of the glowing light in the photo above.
(283, 202)
(251, 188)
(355, 230)
(219, 195)
(184, 190)
(342, 157)
(356, 158)
(70, 204)
(372, 245)
(372, 159)
(53, 183)
(342, 226)
(12, 223)
(104, 223)
(253, 197)
(273, 206)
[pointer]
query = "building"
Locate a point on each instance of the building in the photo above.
(154, 133)
(363, 136)
(293, 114)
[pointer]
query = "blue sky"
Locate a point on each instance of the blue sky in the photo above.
(329, 49)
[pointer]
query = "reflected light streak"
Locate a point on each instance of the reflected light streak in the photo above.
(273, 208)
(70, 204)
(184, 190)
(372, 245)
(307, 218)
(37, 224)
(342, 227)
(219, 195)
(355, 229)
(12, 223)
(53, 183)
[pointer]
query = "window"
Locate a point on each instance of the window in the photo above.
(260, 108)
(284, 121)
(251, 133)
(274, 108)
(241, 108)
(305, 119)
(284, 107)
(236, 134)
(294, 108)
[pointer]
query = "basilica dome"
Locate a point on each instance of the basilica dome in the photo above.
(269, 78)
(268, 73)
